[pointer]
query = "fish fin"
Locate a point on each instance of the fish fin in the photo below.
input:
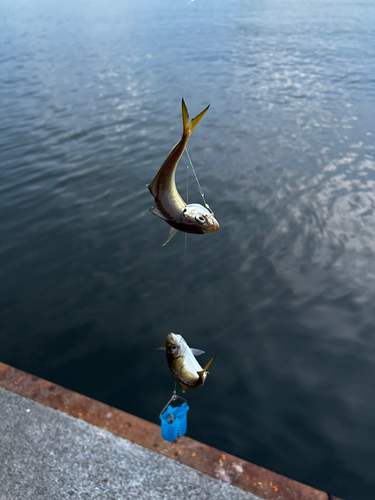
(197, 352)
(155, 211)
(185, 116)
(161, 349)
(172, 233)
(152, 185)
(201, 372)
(183, 386)
(189, 127)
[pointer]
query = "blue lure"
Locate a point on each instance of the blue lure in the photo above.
(174, 422)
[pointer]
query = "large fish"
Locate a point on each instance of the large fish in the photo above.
(183, 364)
(169, 205)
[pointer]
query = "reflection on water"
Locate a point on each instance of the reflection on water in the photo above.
(283, 294)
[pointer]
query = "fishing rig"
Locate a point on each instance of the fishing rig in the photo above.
(174, 418)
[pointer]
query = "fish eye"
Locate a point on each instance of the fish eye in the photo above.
(173, 347)
(184, 210)
(200, 218)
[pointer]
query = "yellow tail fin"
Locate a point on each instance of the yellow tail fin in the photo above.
(189, 127)
(200, 373)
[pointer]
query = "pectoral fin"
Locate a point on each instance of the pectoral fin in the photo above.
(155, 211)
(197, 352)
(172, 233)
(183, 386)
(201, 372)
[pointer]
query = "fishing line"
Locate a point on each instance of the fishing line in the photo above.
(183, 286)
(196, 178)
(185, 253)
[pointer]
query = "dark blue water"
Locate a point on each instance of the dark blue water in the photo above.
(283, 294)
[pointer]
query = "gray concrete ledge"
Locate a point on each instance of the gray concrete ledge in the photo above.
(55, 443)
(46, 454)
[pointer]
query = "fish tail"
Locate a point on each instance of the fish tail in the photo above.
(200, 373)
(189, 127)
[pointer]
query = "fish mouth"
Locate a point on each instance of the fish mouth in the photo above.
(214, 226)
(173, 337)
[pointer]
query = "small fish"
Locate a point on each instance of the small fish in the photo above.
(183, 364)
(169, 205)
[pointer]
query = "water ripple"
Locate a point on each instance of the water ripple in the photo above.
(283, 293)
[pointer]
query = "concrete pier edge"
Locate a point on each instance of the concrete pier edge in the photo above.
(228, 468)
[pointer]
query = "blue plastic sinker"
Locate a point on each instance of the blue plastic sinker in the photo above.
(174, 422)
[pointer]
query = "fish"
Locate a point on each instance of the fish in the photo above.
(183, 363)
(169, 205)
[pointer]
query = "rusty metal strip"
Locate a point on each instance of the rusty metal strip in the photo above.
(247, 476)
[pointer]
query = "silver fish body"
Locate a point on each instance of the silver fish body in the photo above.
(169, 205)
(183, 363)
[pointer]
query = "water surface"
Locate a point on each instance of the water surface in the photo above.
(283, 294)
